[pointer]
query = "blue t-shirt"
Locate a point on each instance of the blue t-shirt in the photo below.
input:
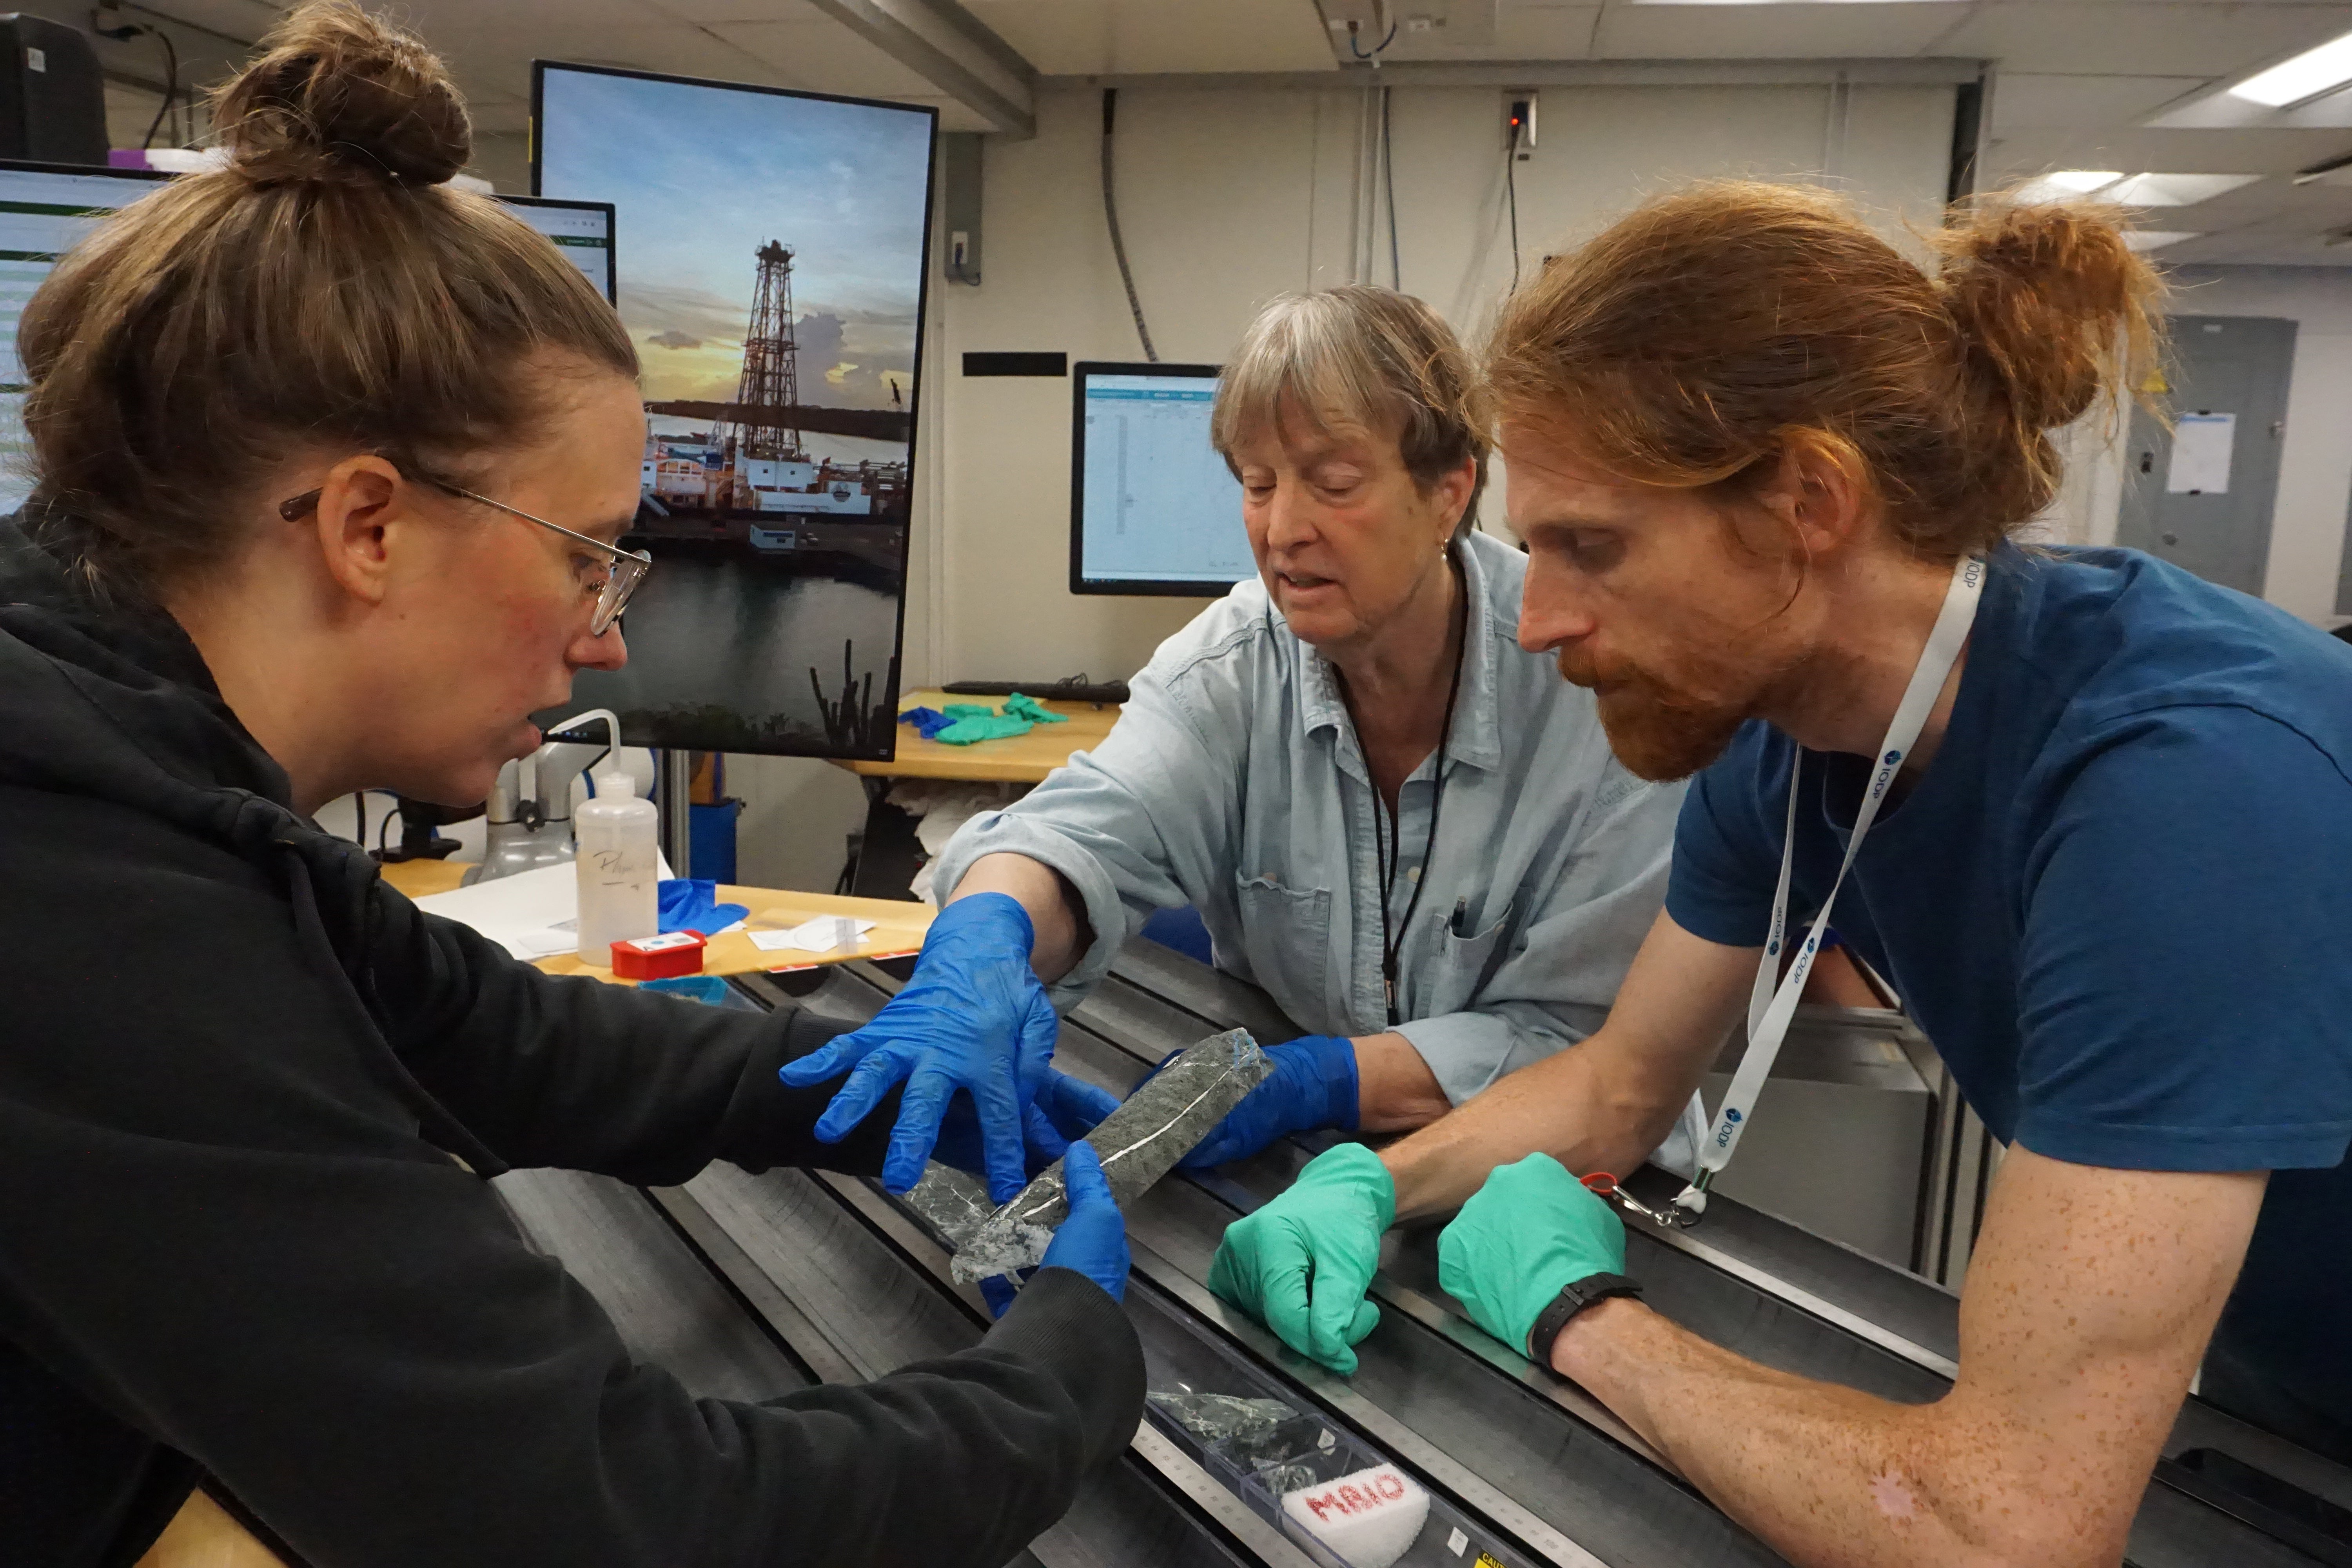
(2119, 901)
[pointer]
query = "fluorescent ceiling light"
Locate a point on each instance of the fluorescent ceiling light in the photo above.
(2173, 190)
(2306, 76)
(2135, 190)
(2158, 239)
(2062, 183)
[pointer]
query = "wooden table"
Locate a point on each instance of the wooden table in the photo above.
(899, 924)
(203, 1535)
(1024, 759)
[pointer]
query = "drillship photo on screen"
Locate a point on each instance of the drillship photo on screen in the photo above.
(771, 251)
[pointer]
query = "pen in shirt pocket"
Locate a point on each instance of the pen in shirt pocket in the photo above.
(1461, 908)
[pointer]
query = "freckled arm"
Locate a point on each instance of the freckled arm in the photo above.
(2087, 1307)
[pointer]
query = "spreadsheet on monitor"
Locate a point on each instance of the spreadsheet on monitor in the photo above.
(1158, 509)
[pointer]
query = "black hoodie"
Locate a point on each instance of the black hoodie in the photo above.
(234, 1065)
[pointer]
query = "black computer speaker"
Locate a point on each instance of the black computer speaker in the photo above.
(52, 101)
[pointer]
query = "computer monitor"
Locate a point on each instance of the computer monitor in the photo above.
(47, 208)
(582, 230)
(1153, 508)
(773, 252)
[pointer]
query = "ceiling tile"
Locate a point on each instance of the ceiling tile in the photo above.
(2174, 151)
(707, 11)
(1098, 37)
(824, 56)
(2035, 101)
(497, 60)
(549, 18)
(1772, 32)
(2116, 37)
(1522, 32)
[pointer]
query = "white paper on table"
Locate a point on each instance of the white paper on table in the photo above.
(2201, 445)
(532, 914)
(821, 934)
(519, 912)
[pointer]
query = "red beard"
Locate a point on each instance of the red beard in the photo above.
(1664, 732)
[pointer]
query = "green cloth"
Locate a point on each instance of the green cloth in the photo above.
(1325, 1228)
(969, 710)
(1530, 1230)
(981, 726)
(1036, 712)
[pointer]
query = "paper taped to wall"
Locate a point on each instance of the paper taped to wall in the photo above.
(2201, 445)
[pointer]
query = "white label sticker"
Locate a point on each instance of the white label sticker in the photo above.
(2201, 443)
(663, 943)
(1456, 1542)
(37, 60)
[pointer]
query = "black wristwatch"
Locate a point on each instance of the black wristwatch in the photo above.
(1573, 1298)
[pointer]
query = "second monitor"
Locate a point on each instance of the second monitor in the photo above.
(1153, 508)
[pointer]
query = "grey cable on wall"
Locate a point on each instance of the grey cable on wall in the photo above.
(1110, 216)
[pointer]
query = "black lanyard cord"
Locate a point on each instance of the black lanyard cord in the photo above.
(1393, 941)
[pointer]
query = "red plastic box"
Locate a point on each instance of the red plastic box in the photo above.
(659, 957)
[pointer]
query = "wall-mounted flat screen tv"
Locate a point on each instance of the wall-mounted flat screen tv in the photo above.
(772, 249)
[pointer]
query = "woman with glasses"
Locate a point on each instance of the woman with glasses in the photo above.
(331, 464)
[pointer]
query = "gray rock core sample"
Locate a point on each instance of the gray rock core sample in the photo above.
(1163, 1120)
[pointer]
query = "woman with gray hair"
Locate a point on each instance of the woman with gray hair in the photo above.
(1408, 829)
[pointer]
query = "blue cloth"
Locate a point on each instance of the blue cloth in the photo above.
(1233, 782)
(1313, 1085)
(928, 721)
(972, 1022)
(2119, 901)
(690, 903)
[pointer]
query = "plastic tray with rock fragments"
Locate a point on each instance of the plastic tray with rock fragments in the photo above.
(1345, 1503)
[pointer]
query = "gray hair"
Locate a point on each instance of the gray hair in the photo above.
(1357, 358)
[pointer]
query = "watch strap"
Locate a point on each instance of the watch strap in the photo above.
(1573, 1298)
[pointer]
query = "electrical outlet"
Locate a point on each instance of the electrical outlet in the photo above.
(1519, 121)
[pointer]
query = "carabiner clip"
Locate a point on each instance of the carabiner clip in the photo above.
(1601, 1183)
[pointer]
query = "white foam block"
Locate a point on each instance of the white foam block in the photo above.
(1369, 1518)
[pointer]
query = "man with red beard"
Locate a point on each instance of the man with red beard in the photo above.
(1769, 471)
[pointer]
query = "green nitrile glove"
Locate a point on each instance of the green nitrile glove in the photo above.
(1019, 706)
(1327, 1228)
(1531, 1229)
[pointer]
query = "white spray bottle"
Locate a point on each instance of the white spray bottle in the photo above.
(619, 867)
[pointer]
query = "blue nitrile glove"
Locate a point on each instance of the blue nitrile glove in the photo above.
(1069, 1107)
(1313, 1085)
(973, 1020)
(928, 721)
(1325, 1229)
(1066, 1108)
(1093, 1241)
(1097, 1249)
(1531, 1229)
(691, 903)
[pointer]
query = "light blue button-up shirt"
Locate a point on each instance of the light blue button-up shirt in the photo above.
(1233, 783)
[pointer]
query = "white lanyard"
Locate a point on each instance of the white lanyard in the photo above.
(1771, 1007)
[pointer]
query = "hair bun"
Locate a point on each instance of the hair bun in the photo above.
(2049, 297)
(338, 95)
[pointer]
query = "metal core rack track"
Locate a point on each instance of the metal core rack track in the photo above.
(749, 1287)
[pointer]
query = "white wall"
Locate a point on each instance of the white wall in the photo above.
(2315, 486)
(1227, 196)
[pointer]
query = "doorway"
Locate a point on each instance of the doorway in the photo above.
(2200, 494)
